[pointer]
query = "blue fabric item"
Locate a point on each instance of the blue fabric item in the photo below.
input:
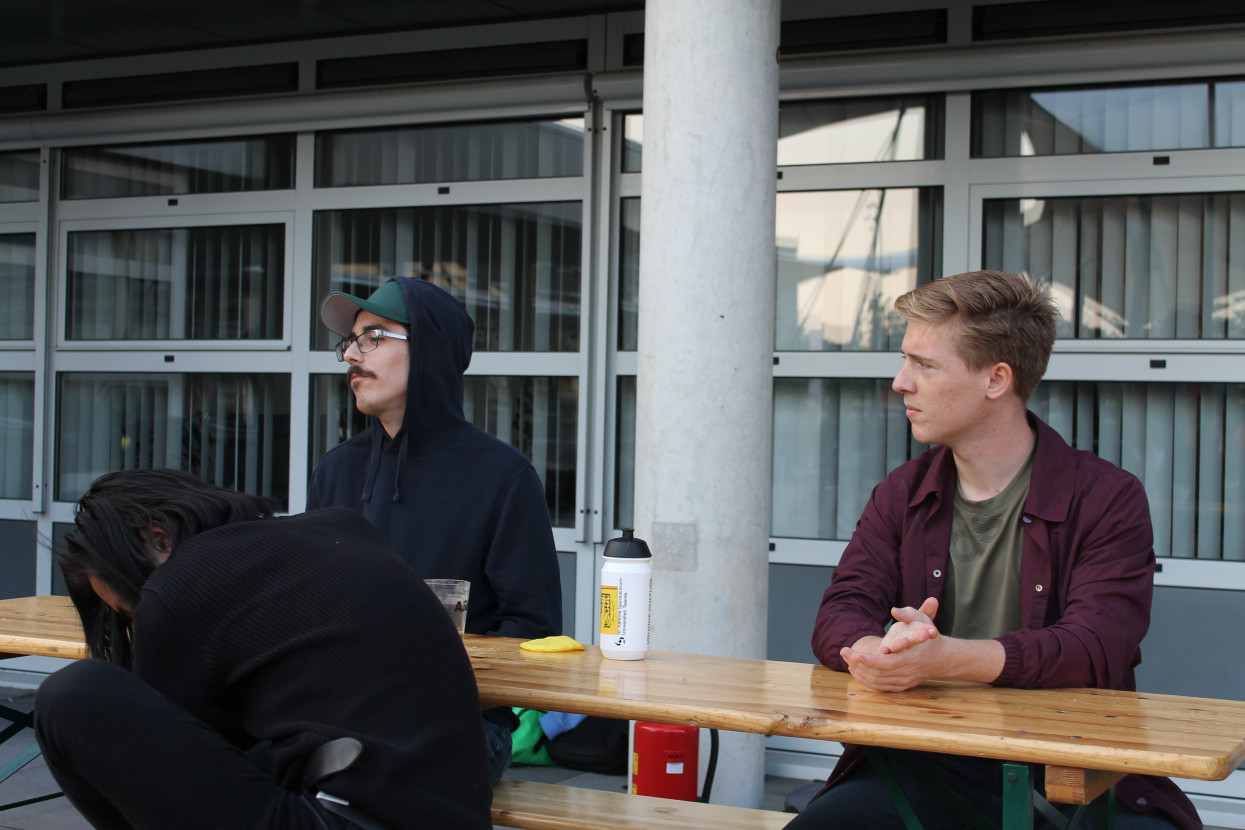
(554, 724)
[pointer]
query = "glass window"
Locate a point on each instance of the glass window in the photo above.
(1185, 441)
(17, 419)
(540, 417)
(536, 415)
(450, 153)
(232, 165)
(17, 286)
(844, 256)
(834, 440)
(334, 418)
(624, 453)
(1230, 114)
(1161, 266)
(859, 130)
(838, 131)
(516, 267)
(633, 142)
(229, 429)
(628, 274)
(19, 176)
(1112, 119)
(205, 283)
(19, 555)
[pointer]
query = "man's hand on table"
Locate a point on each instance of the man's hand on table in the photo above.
(913, 651)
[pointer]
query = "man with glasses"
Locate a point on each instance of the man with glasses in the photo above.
(456, 502)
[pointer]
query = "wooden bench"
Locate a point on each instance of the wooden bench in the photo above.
(531, 805)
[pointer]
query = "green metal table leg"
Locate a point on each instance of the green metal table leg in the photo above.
(902, 805)
(1104, 810)
(19, 721)
(1017, 797)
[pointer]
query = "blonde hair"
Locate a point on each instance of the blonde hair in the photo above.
(1002, 318)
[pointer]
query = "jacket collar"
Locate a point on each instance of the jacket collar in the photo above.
(1050, 491)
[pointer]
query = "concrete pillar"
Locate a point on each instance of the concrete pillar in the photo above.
(707, 272)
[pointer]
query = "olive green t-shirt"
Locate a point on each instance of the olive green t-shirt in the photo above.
(982, 597)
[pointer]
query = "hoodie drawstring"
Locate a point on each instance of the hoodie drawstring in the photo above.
(397, 469)
(373, 465)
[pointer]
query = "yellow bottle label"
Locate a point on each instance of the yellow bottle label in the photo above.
(609, 609)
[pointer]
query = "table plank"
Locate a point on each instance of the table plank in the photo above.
(45, 626)
(1078, 728)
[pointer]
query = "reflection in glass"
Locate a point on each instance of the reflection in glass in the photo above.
(633, 142)
(1230, 114)
(834, 440)
(844, 256)
(450, 153)
(838, 131)
(624, 453)
(1162, 266)
(516, 267)
(1117, 119)
(19, 176)
(229, 429)
(17, 419)
(1185, 441)
(628, 274)
(207, 283)
(859, 130)
(536, 415)
(333, 418)
(231, 165)
(539, 417)
(17, 286)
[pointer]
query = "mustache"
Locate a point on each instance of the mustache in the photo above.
(358, 370)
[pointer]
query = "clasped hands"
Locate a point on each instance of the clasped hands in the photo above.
(905, 657)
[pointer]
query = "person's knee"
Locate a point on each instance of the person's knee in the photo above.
(64, 689)
(78, 690)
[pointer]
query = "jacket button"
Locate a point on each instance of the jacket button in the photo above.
(937, 574)
(1038, 589)
(1027, 519)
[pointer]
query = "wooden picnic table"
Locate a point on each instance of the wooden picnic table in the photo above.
(1086, 738)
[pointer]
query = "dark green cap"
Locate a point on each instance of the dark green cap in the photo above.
(340, 309)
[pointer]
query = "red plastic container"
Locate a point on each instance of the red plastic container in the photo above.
(664, 760)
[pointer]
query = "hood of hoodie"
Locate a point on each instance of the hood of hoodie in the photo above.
(440, 348)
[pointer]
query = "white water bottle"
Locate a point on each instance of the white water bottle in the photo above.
(626, 595)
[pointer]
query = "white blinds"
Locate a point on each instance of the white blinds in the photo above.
(834, 440)
(1185, 441)
(1152, 266)
(17, 416)
(231, 430)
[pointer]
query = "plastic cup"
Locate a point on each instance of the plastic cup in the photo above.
(453, 594)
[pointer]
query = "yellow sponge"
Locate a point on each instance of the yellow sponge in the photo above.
(558, 643)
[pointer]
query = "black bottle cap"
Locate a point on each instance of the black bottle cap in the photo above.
(627, 547)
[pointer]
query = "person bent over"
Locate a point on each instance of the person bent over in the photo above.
(216, 626)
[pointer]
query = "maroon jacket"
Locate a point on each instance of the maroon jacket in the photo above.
(1086, 581)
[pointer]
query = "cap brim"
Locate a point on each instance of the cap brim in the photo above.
(338, 312)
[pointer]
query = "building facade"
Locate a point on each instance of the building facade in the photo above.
(170, 221)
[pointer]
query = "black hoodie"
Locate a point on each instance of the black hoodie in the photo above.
(456, 502)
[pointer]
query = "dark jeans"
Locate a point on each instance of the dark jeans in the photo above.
(498, 741)
(861, 801)
(128, 757)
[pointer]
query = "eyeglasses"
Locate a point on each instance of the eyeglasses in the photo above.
(367, 341)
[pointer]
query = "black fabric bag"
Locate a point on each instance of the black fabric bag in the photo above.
(595, 745)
